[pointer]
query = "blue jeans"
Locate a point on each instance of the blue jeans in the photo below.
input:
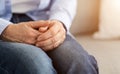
(19, 58)
(68, 58)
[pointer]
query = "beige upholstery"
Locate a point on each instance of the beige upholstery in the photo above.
(86, 19)
(107, 52)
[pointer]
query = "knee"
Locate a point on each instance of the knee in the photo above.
(36, 60)
(85, 64)
(78, 58)
(30, 59)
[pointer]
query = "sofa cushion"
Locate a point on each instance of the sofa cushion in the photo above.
(86, 19)
(109, 24)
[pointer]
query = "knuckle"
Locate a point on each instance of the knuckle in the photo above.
(53, 40)
(52, 32)
(56, 44)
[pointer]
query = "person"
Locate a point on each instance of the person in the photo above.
(35, 39)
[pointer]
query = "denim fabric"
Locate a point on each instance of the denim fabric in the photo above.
(71, 58)
(17, 58)
(68, 58)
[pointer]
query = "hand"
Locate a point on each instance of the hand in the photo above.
(24, 32)
(53, 37)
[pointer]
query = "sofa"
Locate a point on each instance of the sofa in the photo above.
(106, 52)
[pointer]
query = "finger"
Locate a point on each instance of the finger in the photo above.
(51, 40)
(43, 29)
(57, 37)
(31, 37)
(49, 33)
(52, 46)
(38, 24)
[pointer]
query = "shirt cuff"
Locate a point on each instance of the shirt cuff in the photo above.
(3, 25)
(62, 17)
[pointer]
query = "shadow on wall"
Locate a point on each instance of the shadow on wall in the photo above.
(86, 19)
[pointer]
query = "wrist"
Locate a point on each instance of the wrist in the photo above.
(61, 23)
(6, 31)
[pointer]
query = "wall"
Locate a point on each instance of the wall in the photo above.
(86, 19)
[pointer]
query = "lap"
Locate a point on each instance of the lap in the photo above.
(71, 54)
(20, 49)
(69, 48)
(24, 59)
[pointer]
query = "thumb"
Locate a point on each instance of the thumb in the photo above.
(43, 29)
(38, 24)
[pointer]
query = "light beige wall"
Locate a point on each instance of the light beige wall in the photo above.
(86, 19)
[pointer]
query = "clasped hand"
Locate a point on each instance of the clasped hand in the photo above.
(44, 34)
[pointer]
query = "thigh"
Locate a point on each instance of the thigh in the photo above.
(71, 55)
(19, 58)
